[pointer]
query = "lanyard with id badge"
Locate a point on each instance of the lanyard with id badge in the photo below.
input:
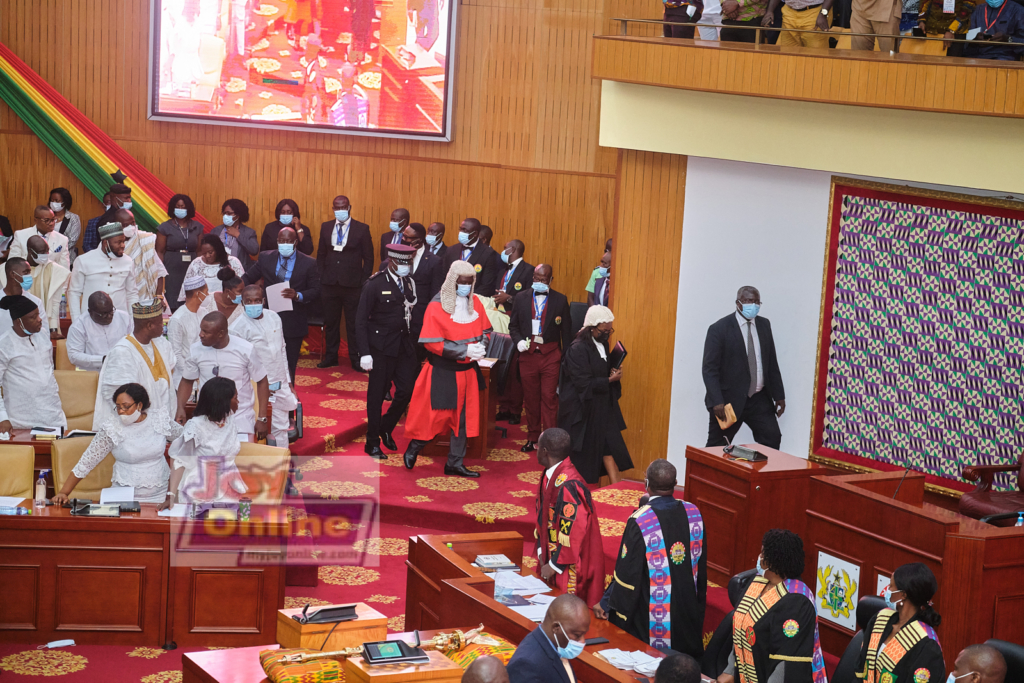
(342, 236)
(538, 315)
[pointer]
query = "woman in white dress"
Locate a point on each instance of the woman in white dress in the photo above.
(228, 300)
(212, 257)
(137, 438)
(204, 454)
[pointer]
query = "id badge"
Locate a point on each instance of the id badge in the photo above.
(948, 6)
(536, 327)
(338, 247)
(185, 257)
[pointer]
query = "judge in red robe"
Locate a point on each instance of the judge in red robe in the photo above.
(568, 533)
(446, 397)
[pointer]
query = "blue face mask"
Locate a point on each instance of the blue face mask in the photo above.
(995, 4)
(463, 238)
(602, 271)
(572, 649)
(286, 218)
(505, 257)
(464, 290)
(403, 271)
(750, 311)
(237, 300)
(254, 310)
(285, 250)
(760, 569)
(395, 227)
(26, 281)
(540, 288)
(180, 213)
(431, 240)
(887, 596)
(341, 215)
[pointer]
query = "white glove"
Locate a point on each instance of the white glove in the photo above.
(475, 351)
(523, 345)
(366, 363)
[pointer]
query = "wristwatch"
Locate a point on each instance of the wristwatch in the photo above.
(824, 11)
(261, 419)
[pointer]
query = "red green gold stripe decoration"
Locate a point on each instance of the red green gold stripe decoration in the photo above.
(80, 145)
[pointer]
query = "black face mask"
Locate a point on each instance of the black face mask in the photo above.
(603, 337)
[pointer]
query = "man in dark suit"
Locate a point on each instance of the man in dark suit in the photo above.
(603, 284)
(345, 261)
(741, 367)
(399, 219)
(484, 260)
(543, 656)
(518, 277)
(435, 239)
(540, 328)
(387, 349)
(427, 273)
(287, 263)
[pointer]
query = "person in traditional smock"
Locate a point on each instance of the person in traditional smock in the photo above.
(91, 337)
(900, 644)
(137, 439)
(204, 455)
(148, 268)
(447, 393)
(49, 281)
(105, 269)
(659, 587)
(568, 534)
(143, 357)
(775, 627)
(26, 371)
(183, 326)
(262, 328)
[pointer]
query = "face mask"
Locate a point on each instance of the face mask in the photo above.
(603, 337)
(750, 311)
(237, 300)
(995, 3)
(41, 259)
(341, 215)
(431, 240)
(463, 238)
(602, 271)
(56, 206)
(26, 281)
(572, 649)
(760, 569)
(403, 271)
(286, 219)
(228, 220)
(106, 207)
(254, 311)
(131, 231)
(130, 419)
(505, 257)
(464, 290)
(127, 206)
(109, 252)
(285, 250)
(395, 227)
(540, 288)
(887, 596)
(950, 678)
(180, 213)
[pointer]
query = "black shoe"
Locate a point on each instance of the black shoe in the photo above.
(503, 415)
(529, 447)
(388, 441)
(515, 419)
(375, 452)
(460, 471)
(388, 396)
(411, 452)
(327, 363)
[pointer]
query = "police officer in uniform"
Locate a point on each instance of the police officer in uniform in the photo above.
(387, 350)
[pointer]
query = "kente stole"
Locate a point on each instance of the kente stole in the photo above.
(156, 366)
(884, 662)
(752, 607)
(660, 625)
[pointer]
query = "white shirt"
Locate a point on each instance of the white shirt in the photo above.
(600, 349)
(209, 273)
(124, 365)
(239, 362)
(201, 443)
(267, 335)
(416, 258)
(95, 271)
(30, 389)
(343, 230)
(183, 332)
(6, 324)
(757, 345)
(58, 245)
(507, 277)
(88, 342)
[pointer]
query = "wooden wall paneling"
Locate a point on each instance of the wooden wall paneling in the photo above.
(960, 594)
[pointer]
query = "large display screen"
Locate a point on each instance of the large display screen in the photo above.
(362, 67)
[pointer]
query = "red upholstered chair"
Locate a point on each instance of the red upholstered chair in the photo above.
(983, 501)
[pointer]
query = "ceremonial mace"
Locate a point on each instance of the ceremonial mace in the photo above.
(442, 642)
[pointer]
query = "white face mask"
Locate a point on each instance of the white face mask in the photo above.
(130, 419)
(41, 259)
(131, 231)
(56, 206)
(951, 677)
(228, 220)
(402, 271)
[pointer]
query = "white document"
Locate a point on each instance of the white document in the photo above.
(178, 510)
(117, 494)
(275, 301)
(948, 6)
(45, 431)
(542, 599)
(14, 501)
(973, 33)
(534, 613)
(243, 438)
(523, 585)
(487, 362)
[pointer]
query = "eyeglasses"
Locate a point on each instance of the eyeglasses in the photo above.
(123, 409)
(48, 220)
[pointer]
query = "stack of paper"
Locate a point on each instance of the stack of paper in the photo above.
(177, 510)
(534, 613)
(523, 585)
(117, 494)
(628, 661)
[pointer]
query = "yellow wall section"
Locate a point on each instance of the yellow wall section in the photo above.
(904, 145)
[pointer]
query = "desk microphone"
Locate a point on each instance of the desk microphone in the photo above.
(905, 473)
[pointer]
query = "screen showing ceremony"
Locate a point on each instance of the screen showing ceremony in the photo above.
(343, 66)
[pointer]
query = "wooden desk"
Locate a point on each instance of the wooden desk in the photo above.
(741, 500)
(477, 446)
(60, 572)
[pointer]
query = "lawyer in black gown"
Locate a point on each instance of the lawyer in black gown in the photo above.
(588, 401)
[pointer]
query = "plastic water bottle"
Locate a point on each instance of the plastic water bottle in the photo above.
(63, 305)
(41, 489)
(14, 511)
(1020, 519)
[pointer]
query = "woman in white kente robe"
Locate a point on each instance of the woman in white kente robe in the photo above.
(26, 371)
(204, 455)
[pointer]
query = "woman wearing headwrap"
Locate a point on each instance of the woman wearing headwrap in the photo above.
(228, 300)
(26, 371)
(588, 401)
(447, 393)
